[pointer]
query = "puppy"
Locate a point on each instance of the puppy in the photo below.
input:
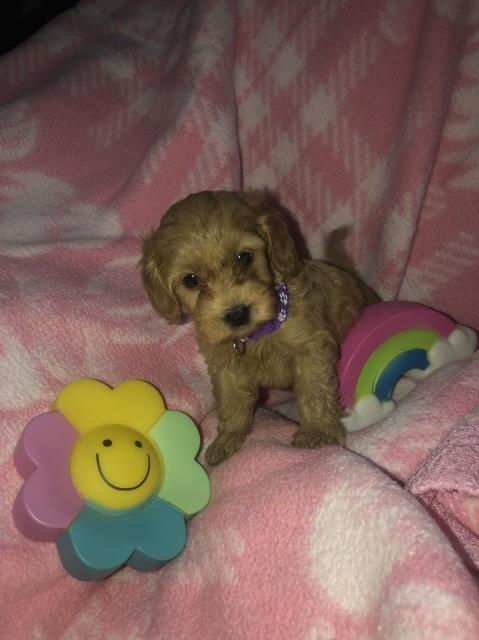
(264, 318)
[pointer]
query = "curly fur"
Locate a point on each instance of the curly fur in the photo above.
(203, 234)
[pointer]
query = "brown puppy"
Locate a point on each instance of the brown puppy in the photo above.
(217, 257)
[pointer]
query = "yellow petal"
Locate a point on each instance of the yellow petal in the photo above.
(89, 403)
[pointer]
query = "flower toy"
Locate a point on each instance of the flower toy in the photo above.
(389, 340)
(111, 477)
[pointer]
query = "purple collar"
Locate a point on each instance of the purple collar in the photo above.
(282, 305)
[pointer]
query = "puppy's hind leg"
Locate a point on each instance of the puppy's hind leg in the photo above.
(236, 397)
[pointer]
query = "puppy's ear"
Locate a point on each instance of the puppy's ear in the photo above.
(282, 253)
(159, 292)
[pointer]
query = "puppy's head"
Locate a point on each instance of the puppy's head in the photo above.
(216, 257)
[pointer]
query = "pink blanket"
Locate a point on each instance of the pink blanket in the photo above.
(356, 113)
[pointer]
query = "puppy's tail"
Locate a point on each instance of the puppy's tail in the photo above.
(337, 255)
(335, 251)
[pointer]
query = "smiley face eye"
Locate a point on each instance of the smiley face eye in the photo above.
(191, 281)
(244, 258)
(138, 444)
(107, 443)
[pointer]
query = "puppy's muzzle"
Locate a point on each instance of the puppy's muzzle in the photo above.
(237, 316)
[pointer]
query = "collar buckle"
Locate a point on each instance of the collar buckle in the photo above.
(239, 345)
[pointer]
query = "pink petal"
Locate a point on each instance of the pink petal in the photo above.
(47, 503)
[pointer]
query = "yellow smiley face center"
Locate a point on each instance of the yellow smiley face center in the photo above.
(116, 467)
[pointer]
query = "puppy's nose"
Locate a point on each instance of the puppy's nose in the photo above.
(237, 316)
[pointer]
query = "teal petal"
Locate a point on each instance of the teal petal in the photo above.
(97, 544)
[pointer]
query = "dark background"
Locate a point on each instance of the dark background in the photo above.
(20, 18)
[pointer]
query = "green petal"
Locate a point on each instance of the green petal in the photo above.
(186, 484)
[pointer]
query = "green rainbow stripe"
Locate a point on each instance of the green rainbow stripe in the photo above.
(387, 352)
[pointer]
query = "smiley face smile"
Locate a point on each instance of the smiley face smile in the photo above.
(114, 486)
(116, 467)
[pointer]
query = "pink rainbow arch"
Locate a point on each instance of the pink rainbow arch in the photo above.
(376, 324)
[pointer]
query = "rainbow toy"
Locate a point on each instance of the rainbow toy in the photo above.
(110, 477)
(392, 339)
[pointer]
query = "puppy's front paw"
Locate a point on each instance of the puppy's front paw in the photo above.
(223, 446)
(313, 439)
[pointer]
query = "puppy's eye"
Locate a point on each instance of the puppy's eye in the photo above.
(244, 258)
(191, 281)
